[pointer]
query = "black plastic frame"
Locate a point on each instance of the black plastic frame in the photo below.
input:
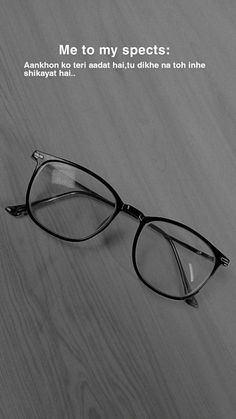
(59, 160)
(43, 159)
(220, 259)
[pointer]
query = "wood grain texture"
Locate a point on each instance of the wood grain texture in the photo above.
(80, 336)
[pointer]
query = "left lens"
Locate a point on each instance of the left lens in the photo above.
(171, 259)
(70, 202)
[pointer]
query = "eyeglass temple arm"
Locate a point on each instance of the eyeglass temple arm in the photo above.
(187, 287)
(192, 301)
(20, 210)
(187, 246)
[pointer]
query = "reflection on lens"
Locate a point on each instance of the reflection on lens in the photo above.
(70, 202)
(173, 260)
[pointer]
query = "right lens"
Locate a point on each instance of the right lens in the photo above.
(70, 202)
(172, 259)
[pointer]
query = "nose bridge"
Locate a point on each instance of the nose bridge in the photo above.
(132, 211)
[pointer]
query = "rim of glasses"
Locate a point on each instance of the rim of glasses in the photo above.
(217, 255)
(43, 159)
(54, 159)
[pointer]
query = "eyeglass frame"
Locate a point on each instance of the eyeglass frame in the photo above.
(43, 159)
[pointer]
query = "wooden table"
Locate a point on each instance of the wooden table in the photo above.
(80, 335)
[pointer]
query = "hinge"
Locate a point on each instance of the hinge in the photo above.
(17, 210)
(37, 155)
(224, 260)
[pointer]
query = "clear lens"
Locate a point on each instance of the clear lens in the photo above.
(173, 260)
(70, 202)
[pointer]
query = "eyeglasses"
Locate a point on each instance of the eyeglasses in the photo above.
(72, 203)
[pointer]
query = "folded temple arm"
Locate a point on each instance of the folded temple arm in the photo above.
(20, 210)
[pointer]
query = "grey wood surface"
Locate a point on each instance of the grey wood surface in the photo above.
(80, 336)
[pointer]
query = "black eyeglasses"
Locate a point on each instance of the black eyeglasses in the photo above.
(72, 203)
